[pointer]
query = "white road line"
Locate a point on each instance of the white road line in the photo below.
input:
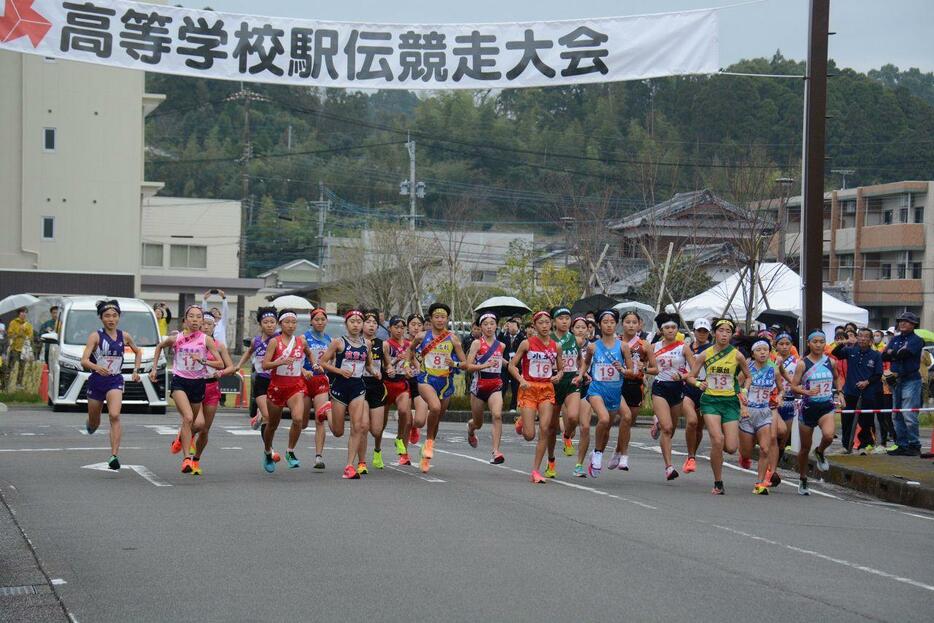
(64, 449)
(416, 475)
(162, 429)
(839, 561)
(142, 470)
(572, 485)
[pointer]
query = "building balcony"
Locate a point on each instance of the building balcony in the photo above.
(889, 292)
(894, 237)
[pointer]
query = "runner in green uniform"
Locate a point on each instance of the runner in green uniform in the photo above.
(567, 391)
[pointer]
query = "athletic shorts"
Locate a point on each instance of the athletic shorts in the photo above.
(192, 388)
(484, 388)
(98, 385)
(260, 385)
(317, 385)
(413, 386)
(443, 385)
(758, 418)
(694, 393)
(212, 393)
(671, 391)
(534, 394)
(281, 390)
(787, 410)
(814, 411)
(346, 391)
(727, 407)
(566, 387)
(633, 393)
(375, 392)
(611, 393)
(394, 389)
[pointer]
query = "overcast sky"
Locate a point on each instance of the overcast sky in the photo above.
(870, 33)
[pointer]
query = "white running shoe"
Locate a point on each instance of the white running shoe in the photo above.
(822, 463)
(803, 488)
(624, 462)
(596, 464)
(614, 462)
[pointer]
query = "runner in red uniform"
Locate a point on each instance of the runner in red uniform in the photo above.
(398, 392)
(485, 359)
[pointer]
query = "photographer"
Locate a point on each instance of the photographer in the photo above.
(222, 314)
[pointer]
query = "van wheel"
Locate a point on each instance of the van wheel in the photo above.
(157, 410)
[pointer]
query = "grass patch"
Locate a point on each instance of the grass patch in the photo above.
(22, 396)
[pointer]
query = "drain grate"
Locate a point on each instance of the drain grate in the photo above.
(29, 589)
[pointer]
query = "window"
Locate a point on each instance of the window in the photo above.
(845, 267)
(903, 215)
(919, 214)
(916, 270)
(885, 271)
(188, 256)
(848, 214)
(152, 255)
(48, 228)
(48, 139)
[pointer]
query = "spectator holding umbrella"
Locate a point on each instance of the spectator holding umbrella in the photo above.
(19, 334)
(862, 388)
(904, 352)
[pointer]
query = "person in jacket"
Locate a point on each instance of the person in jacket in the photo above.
(18, 333)
(904, 352)
(862, 388)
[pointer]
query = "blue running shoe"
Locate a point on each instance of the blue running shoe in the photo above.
(292, 460)
(268, 464)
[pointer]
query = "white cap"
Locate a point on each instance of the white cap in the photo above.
(702, 323)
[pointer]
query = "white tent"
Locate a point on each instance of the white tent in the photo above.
(782, 288)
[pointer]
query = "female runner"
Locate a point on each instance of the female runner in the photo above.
(581, 332)
(316, 383)
(485, 358)
(643, 361)
(398, 375)
(567, 392)
(375, 391)
(757, 425)
(690, 407)
(266, 317)
(414, 325)
(201, 426)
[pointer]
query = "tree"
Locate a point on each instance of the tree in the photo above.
(553, 286)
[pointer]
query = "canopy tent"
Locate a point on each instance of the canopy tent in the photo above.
(778, 290)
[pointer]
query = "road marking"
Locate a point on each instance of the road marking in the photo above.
(572, 485)
(839, 561)
(142, 470)
(232, 448)
(58, 582)
(162, 429)
(394, 468)
(240, 430)
(64, 449)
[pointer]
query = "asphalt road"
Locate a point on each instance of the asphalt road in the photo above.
(469, 542)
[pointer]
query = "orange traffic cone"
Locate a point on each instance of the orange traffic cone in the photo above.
(44, 384)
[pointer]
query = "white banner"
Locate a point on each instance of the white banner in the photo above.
(280, 50)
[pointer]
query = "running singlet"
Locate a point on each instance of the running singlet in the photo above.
(670, 360)
(763, 385)
(259, 353)
(317, 344)
(637, 347)
(189, 348)
(602, 369)
(397, 361)
(109, 353)
(435, 361)
(697, 349)
(294, 348)
(376, 354)
(569, 352)
(540, 361)
(722, 369)
(352, 358)
(496, 370)
(819, 375)
(790, 363)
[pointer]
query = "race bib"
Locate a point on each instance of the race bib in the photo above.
(113, 364)
(291, 369)
(570, 363)
(759, 395)
(824, 388)
(497, 366)
(539, 369)
(190, 364)
(720, 381)
(354, 367)
(605, 372)
(400, 367)
(436, 361)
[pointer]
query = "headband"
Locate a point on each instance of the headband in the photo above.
(287, 314)
(607, 312)
(396, 320)
(113, 306)
(539, 314)
(577, 319)
(372, 315)
(352, 313)
(191, 307)
(817, 333)
(561, 311)
(761, 343)
(485, 316)
(784, 335)
(316, 311)
(269, 314)
(725, 321)
(669, 322)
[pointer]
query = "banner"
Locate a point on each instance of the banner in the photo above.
(226, 46)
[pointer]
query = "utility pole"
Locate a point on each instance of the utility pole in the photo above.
(812, 218)
(414, 190)
(785, 184)
(323, 207)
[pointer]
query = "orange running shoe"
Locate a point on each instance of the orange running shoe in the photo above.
(745, 462)
(690, 465)
(275, 457)
(196, 468)
(518, 424)
(414, 436)
(186, 465)
(428, 449)
(536, 477)
(404, 459)
(425, 465)
(361, 468)
(176, 445)
(350, 473)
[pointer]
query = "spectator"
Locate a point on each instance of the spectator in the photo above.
(904, 351)
(878, 340)
(381, 331)
(222, 314)
(19, 334)
(163, 318)
(48, 326)
(474, 335)
(862, 388)
(511, 338)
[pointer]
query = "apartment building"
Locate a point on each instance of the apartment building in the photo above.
(876, 241)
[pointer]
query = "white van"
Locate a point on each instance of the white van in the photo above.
(68, 380)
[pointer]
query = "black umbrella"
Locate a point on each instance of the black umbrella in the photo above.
(595, 302)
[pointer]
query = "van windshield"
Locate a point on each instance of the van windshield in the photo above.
(80, 323)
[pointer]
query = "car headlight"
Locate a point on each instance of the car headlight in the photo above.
(70, 363)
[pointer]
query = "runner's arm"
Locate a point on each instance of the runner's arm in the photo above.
(329, 356)
(472, 365)
(218, 362)
(138, 359)
(89, 346)
(797, 383)
(627, 356)
(586, 356)
(246, 355)
(520, 353)
(459, 351)
(559, 364)
(651, 362)
(225, 357)
(689, 359)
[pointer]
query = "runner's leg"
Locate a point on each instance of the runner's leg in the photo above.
(114, 403)
(715, 432)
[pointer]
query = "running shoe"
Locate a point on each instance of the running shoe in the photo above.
(536, 478)
(186, 465)
(425, 465)
(498, 459)
(774, 479)
(428, 449)
(822, 463)
(879, 450)
(256, 421)
(400, 447)
(568, 447)
(319, 462)
(745, 462)
(718, 489)
(671, 473)
(654, 431)
(614, 461)
(414, 436)
(361, 468)
(472, 437)
(690, 465)
(176, 446)
(803, 488)
(596, 464)
(404, 459)
(579, 471)
(550, 471)
(275, 456)
(891, 448)
(624, 462)
(761, 488)
(268, 463)
(191, 448)
(867, 450)
(518, 424)
(292, 460)
(87, 427)
(350, 473)
(114, 462)
(378, 459)
(196, 468)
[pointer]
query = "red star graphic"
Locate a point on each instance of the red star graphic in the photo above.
(21, 20)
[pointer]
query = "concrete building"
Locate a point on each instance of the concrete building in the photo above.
(876, 241)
